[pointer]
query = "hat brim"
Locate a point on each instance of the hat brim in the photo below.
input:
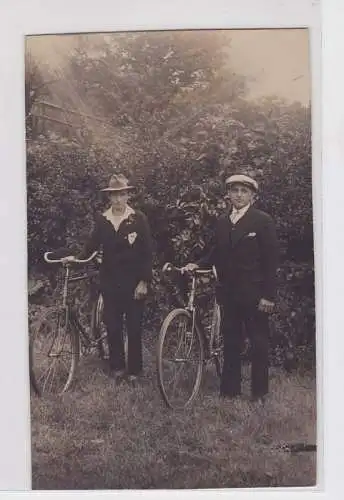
(243, 183)
(127, 188)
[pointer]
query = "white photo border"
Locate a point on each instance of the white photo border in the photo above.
(24, 17)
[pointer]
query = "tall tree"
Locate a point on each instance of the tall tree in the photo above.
(151, 85)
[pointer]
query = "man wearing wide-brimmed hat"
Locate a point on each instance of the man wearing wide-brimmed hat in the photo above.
(124, 236)
(245, 254)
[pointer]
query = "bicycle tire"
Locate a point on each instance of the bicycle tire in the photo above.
(217, 342)
(33, 383)
(189, 387)
(55, 353)
(98, 328)
(99, 331)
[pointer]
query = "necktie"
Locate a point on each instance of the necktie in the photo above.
(234, 216)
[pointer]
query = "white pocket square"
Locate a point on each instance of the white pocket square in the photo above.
(251, 235)
(132, 237)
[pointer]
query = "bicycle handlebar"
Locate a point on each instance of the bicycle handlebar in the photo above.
(168, 267)
(76, 261)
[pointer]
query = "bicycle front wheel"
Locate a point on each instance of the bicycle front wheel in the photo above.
(31, 372)
(55, 353)
(180, 357)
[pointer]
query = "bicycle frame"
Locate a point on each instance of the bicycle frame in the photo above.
(190, 305)
(184, 341)
(71, 311)
(207, 340)
(87, 341)
(51, 338)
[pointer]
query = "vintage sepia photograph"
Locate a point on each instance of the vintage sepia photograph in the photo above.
(171, 278)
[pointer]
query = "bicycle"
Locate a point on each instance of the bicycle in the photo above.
(59, 338)
(183, 347)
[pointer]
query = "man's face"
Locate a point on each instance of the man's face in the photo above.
(240, 195)
(119, 199)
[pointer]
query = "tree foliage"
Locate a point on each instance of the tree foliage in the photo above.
(178, 124)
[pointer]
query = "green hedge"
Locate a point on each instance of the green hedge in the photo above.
(181, 192)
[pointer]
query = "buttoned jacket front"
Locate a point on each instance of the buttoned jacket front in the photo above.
(126, 252)
(245, 256)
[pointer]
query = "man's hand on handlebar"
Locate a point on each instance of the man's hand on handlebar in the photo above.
(190, 267)
(68, 259)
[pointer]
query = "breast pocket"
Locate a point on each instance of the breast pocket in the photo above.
(248, 249)
(132, 237)
(250, 236)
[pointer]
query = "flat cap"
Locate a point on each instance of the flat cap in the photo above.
(242, 179)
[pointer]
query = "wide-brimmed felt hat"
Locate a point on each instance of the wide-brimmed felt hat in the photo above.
(242, 179)
(118, 183)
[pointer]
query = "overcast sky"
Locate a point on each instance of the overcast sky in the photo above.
(276, 60)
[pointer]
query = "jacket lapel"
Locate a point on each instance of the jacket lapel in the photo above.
(241, 227)
(225, 229)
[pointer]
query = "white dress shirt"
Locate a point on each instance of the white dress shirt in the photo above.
(116, 220)
(237, 214)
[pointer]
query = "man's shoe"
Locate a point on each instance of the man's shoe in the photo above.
(258, 399)
(117, 375)
(230, 395)
(132, 379)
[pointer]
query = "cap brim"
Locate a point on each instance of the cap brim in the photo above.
(127, 188)
(246, 184)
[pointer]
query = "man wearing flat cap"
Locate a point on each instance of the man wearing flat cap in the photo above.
(124, 236)
(245, 254)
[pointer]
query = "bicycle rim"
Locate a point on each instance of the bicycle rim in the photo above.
(180, 359)
(99, 331)
(55, 353)
(217, 341)
(31, 372)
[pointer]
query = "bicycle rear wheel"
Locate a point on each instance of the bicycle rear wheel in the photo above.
(217, 341)
(55, 353)
(99, 331)
(180, 356)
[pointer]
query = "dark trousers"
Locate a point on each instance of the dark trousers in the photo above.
(257, 328)
(117, 309)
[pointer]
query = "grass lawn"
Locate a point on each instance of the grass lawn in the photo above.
(99, 436)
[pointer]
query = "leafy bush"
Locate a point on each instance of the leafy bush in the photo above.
(181, 197)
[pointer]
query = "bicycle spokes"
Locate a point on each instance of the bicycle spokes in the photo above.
(99, 331)
(216, 340)
(55, 353)
(180, 361)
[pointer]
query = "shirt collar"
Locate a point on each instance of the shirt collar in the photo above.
(241, 211)
(116, 220)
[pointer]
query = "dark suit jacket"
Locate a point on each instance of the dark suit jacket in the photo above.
(126, 253)
(245, 256)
